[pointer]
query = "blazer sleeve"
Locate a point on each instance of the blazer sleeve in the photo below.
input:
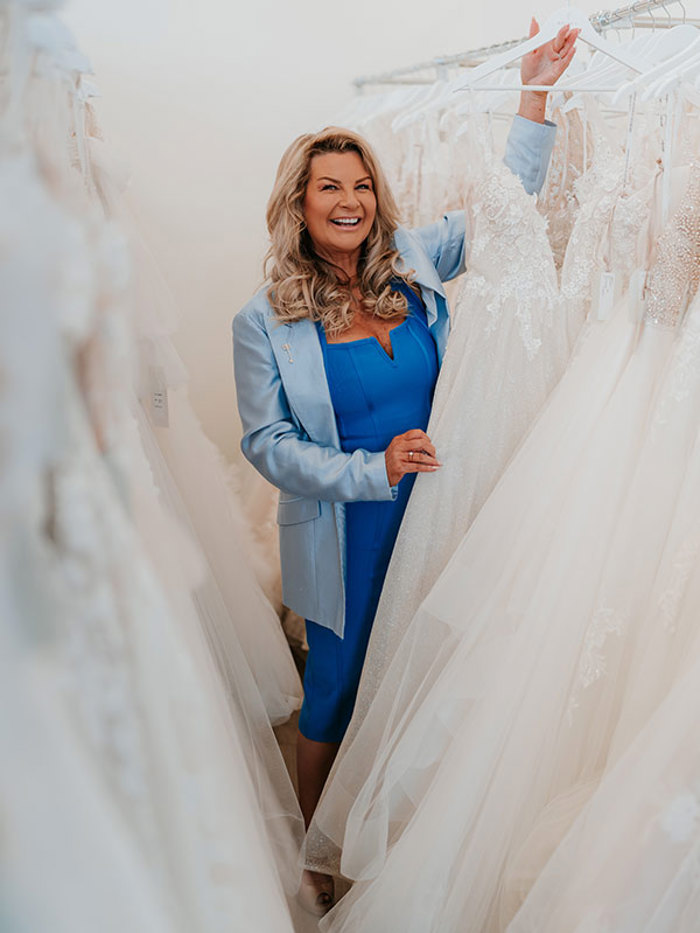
(278, 447)
(528, 151)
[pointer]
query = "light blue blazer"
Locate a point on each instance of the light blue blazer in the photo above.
(290, 433)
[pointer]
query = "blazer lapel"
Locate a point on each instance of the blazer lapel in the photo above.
(426, 275)
(431, 288)
(300, 360)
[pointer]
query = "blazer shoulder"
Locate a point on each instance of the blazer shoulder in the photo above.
(255, 311)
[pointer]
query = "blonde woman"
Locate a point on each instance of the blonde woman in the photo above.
(336, 361)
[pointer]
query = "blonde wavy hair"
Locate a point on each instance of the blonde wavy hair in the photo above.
(303, 284)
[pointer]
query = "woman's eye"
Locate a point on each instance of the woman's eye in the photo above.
(364, 186)
(328, 188)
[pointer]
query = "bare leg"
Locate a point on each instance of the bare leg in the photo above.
(314, 762)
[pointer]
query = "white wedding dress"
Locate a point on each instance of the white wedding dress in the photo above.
(512, 335)
(139, 793)
(631, 861)
(125, 795)
(519, 658)
(235, 612)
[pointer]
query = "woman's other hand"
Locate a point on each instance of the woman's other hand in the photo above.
(412, 452)
(545, 66)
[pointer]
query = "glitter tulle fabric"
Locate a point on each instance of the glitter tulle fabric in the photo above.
(512, 337)
(526, 670)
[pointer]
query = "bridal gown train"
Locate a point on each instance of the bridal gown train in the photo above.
(528, 635)
(631, 861)
(511, 330)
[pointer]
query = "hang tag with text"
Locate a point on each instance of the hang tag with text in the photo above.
(159, 398)
(606, 295)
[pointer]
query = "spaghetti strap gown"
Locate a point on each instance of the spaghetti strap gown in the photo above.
(376, 397)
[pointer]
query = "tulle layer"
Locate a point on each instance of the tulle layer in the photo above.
(511, 339)
(519, 658)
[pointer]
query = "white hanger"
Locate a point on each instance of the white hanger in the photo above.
(658, 47)
(432, 93)
(683, 44)
(685, 69)
(503, 92)
(655, 46)
(667, 83)
(664, 72)
(565, 16)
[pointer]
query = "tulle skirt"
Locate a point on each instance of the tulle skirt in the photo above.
(504, 705)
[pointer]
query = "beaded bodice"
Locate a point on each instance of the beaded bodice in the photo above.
(675, 274)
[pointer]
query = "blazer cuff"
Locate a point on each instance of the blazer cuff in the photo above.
(379, 481)
(528, 151)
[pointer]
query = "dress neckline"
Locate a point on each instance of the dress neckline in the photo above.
(350, 343)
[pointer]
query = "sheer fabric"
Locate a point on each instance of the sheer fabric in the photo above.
(512, 336)
(532, 629)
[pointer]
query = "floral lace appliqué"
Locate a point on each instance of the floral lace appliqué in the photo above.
(592, 664)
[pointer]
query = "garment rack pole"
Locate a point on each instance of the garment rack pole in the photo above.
(600, 21)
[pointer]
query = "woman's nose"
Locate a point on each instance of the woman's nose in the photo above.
(349, 198)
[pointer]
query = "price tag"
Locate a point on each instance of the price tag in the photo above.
(159, 398)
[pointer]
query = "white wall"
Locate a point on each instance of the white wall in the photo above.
(201, 97)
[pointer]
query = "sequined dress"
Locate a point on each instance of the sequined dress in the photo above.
(550, 639)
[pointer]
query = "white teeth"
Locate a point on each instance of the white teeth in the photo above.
(346, 221)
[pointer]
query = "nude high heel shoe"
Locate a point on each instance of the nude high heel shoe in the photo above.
(316, 896)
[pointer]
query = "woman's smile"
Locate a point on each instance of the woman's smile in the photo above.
(349, 222)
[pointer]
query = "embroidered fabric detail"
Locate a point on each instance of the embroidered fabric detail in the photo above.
(592, 666)
(669, 601)
(673, 279)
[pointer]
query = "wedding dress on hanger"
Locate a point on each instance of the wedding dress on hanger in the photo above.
(62, 832)
(114, 675)
(222, 598)
(111, 725)
(530, 630)
(630, 861)
(512, 331)
(236, 613)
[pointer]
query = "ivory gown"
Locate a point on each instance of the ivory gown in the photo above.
(538, 628)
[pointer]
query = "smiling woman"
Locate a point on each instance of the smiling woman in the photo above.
(336, 362)
(332, 218)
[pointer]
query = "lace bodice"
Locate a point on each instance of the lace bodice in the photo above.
(614, 197)
(510, 259)
(557, 201)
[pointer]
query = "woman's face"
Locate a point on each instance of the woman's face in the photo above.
(339, 204)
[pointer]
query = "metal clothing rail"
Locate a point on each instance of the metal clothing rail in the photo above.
(604, 20)
(630, 15)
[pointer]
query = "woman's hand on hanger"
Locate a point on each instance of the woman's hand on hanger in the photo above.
(545, 66)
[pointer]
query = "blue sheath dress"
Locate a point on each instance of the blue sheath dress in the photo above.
(375, 398)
